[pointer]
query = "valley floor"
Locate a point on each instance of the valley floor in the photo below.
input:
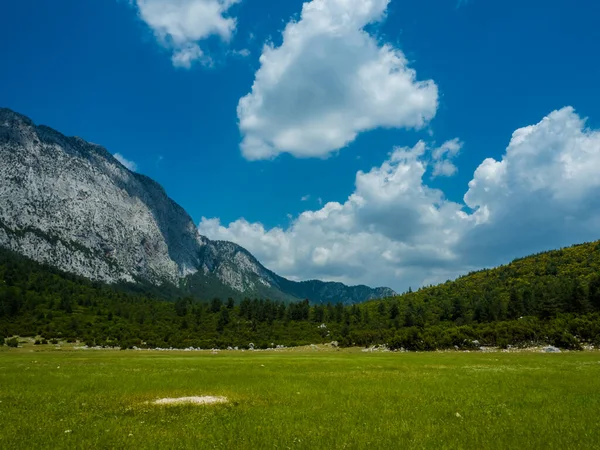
(299, 399)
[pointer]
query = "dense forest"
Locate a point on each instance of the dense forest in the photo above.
(549, 298)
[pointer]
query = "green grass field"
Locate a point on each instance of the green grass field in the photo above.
(299, 399)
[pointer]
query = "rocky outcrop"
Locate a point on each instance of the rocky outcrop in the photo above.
(71, 204)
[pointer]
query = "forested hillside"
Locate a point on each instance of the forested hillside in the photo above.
(542, 285)
(551, 298)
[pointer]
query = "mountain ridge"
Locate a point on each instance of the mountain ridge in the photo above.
(70, 203)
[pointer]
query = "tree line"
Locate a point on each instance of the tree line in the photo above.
(549, 298)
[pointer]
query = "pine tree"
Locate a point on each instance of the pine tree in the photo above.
(577, 302)
(594, 292)
(223, 319)
(215, 305)
(515, 304)
(394, 311)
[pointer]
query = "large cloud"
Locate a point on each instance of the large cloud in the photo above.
(181, 24)
(395, 230)
(544, 193)
(391, 228)
(328, 81)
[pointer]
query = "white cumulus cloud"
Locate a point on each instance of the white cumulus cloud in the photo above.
(542, 194)
(181, 24)
(327, 82)
(395, 230)
(127, 163)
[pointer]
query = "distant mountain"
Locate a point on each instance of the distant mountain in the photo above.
(71, 204)
(315, 289)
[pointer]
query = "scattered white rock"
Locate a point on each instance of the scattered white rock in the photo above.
(377, 348)
(551, 349)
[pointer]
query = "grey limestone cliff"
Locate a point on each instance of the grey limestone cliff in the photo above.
(71, 204)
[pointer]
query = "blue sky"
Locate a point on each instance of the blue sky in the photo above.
(159, 82)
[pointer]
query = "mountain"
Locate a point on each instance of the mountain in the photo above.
(322, 290)
(71, 204)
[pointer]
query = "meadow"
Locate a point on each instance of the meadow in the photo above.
(313, 399)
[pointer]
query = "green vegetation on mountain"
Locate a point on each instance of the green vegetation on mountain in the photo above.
(549, 298)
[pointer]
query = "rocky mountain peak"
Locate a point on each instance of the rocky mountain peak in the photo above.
(71, 204)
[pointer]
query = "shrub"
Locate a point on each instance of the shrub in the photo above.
(14, 342)
(565, 340)
(502, 342)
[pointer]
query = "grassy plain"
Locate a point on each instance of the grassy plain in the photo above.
(299, 399)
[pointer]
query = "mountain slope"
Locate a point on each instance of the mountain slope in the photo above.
(71, 204)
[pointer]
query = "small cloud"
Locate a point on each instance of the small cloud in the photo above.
(320, 201)
(443, 169)
(442, 158)
(127, 163)
(243, 53)
(305, 198)
(183, 26)
(186, 56)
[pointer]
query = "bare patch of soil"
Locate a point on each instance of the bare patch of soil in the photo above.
(204, 400)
